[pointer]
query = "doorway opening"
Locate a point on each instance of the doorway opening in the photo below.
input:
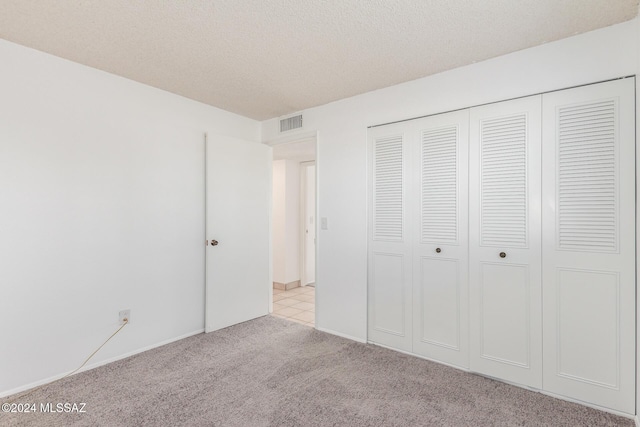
(294, 210)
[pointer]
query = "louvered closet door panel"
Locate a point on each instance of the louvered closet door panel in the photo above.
(589, 243)
(390, 234)
(504, 241)
(440, 257)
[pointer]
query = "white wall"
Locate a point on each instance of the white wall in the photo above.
(278, 217)
(101, 209)
(292, 268)
(309, 227)
(342, 128)
(286, 221)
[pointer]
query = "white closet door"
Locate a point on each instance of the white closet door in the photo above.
(504, 241)
(440, 258)
(589, 243)
(389, 281)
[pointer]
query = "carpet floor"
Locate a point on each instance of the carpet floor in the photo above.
(272, 372)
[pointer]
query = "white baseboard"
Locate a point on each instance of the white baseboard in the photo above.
(637, 418)
(349, 337)
(97, 364)
(419, 356)
(286, 286)
(581, 402)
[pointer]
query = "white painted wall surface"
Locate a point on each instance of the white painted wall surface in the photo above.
(309, 227)
(342, 127)
(286, 221)
(278, 217)
(101, 209)
(292, 226)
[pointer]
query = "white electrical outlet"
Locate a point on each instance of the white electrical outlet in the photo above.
(125, 316)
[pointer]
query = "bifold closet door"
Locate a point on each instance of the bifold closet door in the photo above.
(589, 243)
(389, 264)
(440, 249)
(504, 241)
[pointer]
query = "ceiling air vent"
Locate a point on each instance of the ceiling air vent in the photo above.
(291, 123)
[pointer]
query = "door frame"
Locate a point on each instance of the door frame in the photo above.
(292, 139)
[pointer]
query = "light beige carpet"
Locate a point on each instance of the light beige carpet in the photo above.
(271, 372)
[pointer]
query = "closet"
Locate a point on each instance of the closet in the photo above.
(418, 244)
(502, 240)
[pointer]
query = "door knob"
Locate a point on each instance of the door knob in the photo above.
(503, 254)
(214, 243)
(438, 250)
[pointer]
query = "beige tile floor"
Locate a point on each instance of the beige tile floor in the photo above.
(297, 305)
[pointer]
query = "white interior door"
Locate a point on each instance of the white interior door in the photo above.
(589, 243)
(505, 240)
(440, 249)
(238, 206)
(390, 239)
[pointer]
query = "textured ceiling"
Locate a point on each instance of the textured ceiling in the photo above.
(266, 58)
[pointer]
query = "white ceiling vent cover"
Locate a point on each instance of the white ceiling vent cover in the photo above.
(291, 123)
